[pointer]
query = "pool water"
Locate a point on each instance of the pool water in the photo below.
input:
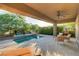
(21, 39)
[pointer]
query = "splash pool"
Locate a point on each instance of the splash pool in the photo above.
(20, 39)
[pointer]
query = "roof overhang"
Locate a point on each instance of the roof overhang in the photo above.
(43, 11)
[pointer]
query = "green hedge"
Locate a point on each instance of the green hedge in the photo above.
(49, 30)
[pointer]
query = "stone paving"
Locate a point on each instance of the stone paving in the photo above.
(49, 46)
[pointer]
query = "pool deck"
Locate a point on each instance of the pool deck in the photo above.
(49, 46)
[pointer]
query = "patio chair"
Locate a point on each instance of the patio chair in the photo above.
(61, 37)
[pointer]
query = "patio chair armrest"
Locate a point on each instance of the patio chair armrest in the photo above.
(36, 50)
(69, 35)
(60, 34)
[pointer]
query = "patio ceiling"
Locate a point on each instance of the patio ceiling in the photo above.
(45, 11)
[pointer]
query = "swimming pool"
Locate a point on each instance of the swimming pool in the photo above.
(20, 39)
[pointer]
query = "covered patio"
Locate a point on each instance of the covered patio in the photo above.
(49, 12)
(53, 13)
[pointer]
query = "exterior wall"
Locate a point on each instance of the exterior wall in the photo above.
(77, 29)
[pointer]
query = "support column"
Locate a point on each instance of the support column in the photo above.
(54, 29)
(77, 29)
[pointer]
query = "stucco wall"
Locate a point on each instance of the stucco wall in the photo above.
(77, 29)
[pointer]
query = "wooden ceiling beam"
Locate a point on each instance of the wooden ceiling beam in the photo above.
(66, 20)
(23, 8)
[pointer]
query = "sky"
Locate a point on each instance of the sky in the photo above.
(32, 20)
(38, 22)
(2, 11)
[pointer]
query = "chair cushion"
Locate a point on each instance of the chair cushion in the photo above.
(18, 52)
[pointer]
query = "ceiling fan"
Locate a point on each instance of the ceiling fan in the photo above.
(60, 14)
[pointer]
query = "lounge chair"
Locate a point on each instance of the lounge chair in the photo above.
(28, 51)
(61, 37)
